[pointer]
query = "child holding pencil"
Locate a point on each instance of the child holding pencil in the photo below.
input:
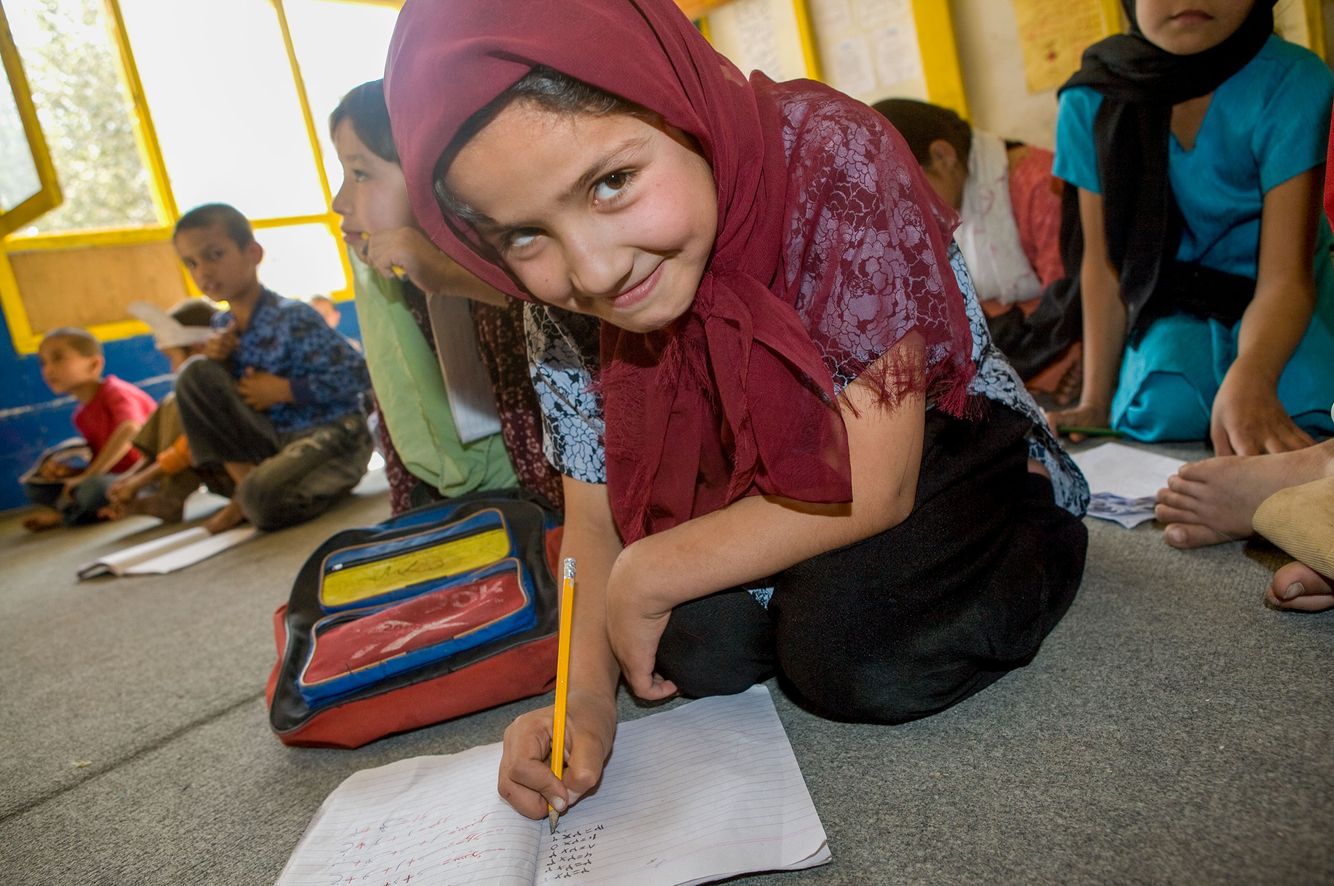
(814, 463)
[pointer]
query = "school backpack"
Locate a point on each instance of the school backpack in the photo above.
(436, 613)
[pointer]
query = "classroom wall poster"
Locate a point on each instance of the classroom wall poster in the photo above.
(1053, 34)
(868, 48)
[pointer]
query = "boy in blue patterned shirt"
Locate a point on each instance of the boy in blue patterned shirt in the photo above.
(276, 397)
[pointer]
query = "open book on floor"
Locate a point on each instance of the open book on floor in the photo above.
(168, 553)
(706, 791)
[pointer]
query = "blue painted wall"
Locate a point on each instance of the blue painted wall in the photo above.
(32, 418)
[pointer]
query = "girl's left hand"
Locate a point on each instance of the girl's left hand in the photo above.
(1248, 418)
(635, 623)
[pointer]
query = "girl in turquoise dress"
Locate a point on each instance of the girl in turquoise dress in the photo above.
(1197, 143)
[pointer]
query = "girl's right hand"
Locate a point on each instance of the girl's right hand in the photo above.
(526, 781)
(1081, 416)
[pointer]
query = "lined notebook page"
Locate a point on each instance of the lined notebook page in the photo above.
(704, 791)
(427, 820)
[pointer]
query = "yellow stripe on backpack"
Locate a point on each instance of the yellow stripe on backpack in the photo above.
(357, 583)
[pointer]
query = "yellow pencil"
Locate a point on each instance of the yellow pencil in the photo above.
(397, 269)
(562, 678)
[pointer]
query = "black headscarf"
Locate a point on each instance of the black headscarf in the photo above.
(1140, 83)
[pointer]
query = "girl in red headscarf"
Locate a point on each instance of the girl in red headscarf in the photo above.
(800, 455)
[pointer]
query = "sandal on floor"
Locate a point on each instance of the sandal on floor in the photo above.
(1300, 520)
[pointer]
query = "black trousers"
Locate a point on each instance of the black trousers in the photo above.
(908, 622)
(297, 475)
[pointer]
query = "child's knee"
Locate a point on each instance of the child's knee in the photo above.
(265, 504)
(1166, 406)
(717, 645)
(893, 690)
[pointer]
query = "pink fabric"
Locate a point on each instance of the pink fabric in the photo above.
(830, 248)
(1037, 213)
(115, 403)
(1329, 178)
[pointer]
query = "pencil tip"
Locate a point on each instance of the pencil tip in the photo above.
(551, 819)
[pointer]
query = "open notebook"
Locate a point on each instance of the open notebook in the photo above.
(702, 792)
(168, 553)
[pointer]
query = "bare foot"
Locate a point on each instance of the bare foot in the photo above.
(113, 511)
(1071, 384)
(225, 519)
(1298, 586)
(43, 519)
(1212, 501)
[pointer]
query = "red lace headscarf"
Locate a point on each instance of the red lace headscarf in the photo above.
(830, 249)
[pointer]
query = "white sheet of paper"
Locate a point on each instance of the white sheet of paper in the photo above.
(169, 553)
(1125, 470)
(471, 401)
(704, 791)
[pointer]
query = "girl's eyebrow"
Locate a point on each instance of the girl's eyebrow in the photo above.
(605, 165)
(602, 166)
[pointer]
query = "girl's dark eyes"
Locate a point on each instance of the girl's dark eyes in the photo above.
(611, 186)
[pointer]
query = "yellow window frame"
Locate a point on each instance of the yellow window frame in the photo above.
(49, 195)
(25, 338)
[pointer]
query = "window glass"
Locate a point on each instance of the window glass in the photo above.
(301, 260)
(339, 45)
(18, 172)
(224, 105)
(74, 74)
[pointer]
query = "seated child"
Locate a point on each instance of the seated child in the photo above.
(1009, 216)
(1009, 233)
(109, 414)
(803, 457)
(1197, 145)
(165, 477)
(276, 397)
(326, 308)
(445, 350)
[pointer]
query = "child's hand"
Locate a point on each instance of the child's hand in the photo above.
(221, 344)
(408, 250)
(1082, 416)
(634, 626)
(263, 390)
(121, 492)
(526, 781)
(1249, 419)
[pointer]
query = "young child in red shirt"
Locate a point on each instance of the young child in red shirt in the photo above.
(110, 413)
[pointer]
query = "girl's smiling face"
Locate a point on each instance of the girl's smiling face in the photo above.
(1187, 27)
(374, 195)
(613, 216)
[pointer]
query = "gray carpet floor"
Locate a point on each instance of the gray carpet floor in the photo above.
(1172, 730)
